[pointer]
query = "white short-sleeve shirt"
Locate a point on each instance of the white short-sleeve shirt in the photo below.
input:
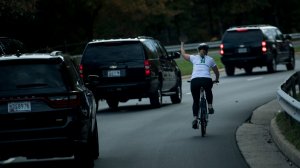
(201, 66)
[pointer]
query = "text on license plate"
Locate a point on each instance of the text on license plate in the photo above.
(15, 107)
(242, 50)
(113, 73)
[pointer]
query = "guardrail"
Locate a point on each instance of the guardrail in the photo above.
(288, 96)
(214, 45)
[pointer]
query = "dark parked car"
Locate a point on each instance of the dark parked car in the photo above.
(121, 69)
(256, 46)
(45, 109)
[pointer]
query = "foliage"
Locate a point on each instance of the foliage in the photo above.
(64, 23)
(290, 128)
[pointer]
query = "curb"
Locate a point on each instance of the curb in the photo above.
(284, 145)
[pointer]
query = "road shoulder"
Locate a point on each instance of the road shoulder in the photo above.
(256, 142)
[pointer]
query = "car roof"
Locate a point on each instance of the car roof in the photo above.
(250, 27)
(30, 56)
(139, 38)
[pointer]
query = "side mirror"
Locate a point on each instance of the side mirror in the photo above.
(175, 55)
(287, 37)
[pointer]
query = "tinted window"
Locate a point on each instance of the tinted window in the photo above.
(30, 76)
(279, 35)
(152, 50)
(162, 49)
(242, 36)
(113, 51)
(270, 33)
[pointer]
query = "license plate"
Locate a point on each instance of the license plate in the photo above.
(242, 50)
(113, 73)
(15, 107)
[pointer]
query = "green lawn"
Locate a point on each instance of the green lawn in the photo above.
(297, 49)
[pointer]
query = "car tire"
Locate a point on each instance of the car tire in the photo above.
(112, 103)
(229, 70)
(248, 70)
(83, 157)
(291, 64)
(272, 66)
(175, 99)
(156, 98)
(95, 143)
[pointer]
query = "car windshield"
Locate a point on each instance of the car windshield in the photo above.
(114, 51)
(30, 76)
(237, 37)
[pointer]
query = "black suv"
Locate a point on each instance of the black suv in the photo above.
(121, 69)
(45, 109)
(256, 45)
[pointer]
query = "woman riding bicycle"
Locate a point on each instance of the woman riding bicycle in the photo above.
(202, 64)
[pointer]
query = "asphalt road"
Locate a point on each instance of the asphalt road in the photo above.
(138, 136)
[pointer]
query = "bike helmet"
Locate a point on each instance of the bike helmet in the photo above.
(203, 46)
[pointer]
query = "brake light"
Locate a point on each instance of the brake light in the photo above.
(222, 49)
(64, 101)
(241, 30)
(264, 46)
(147, 68)
(81, 71)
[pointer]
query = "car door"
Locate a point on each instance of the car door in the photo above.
(281, 46)
(171, 68)
(164, 66)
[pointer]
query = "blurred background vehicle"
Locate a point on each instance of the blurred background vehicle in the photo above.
(256, 46)
(134, 68)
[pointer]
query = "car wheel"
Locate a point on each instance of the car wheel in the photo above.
(156, 98)
(272, 66)
(229, 70)
(291, 64)
(112, 103)
(175, 99)
(95, 143)
(248, 70)
(83, 157)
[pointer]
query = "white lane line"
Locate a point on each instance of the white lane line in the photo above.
(256, 78)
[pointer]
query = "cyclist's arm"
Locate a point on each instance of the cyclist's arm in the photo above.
(183, 53)
(216, 71)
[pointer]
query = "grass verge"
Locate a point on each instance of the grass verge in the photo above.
(289, 128)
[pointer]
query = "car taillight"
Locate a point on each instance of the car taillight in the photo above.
(81, 71)
(264, 46)
(222, 49)
(64, 101)
(147, 68)
(241, 29)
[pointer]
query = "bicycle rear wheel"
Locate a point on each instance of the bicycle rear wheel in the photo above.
(203, 124)
(203, 116)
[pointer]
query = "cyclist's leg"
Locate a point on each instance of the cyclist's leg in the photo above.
(195, 89)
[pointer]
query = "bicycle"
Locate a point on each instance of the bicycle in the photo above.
(202, 114)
